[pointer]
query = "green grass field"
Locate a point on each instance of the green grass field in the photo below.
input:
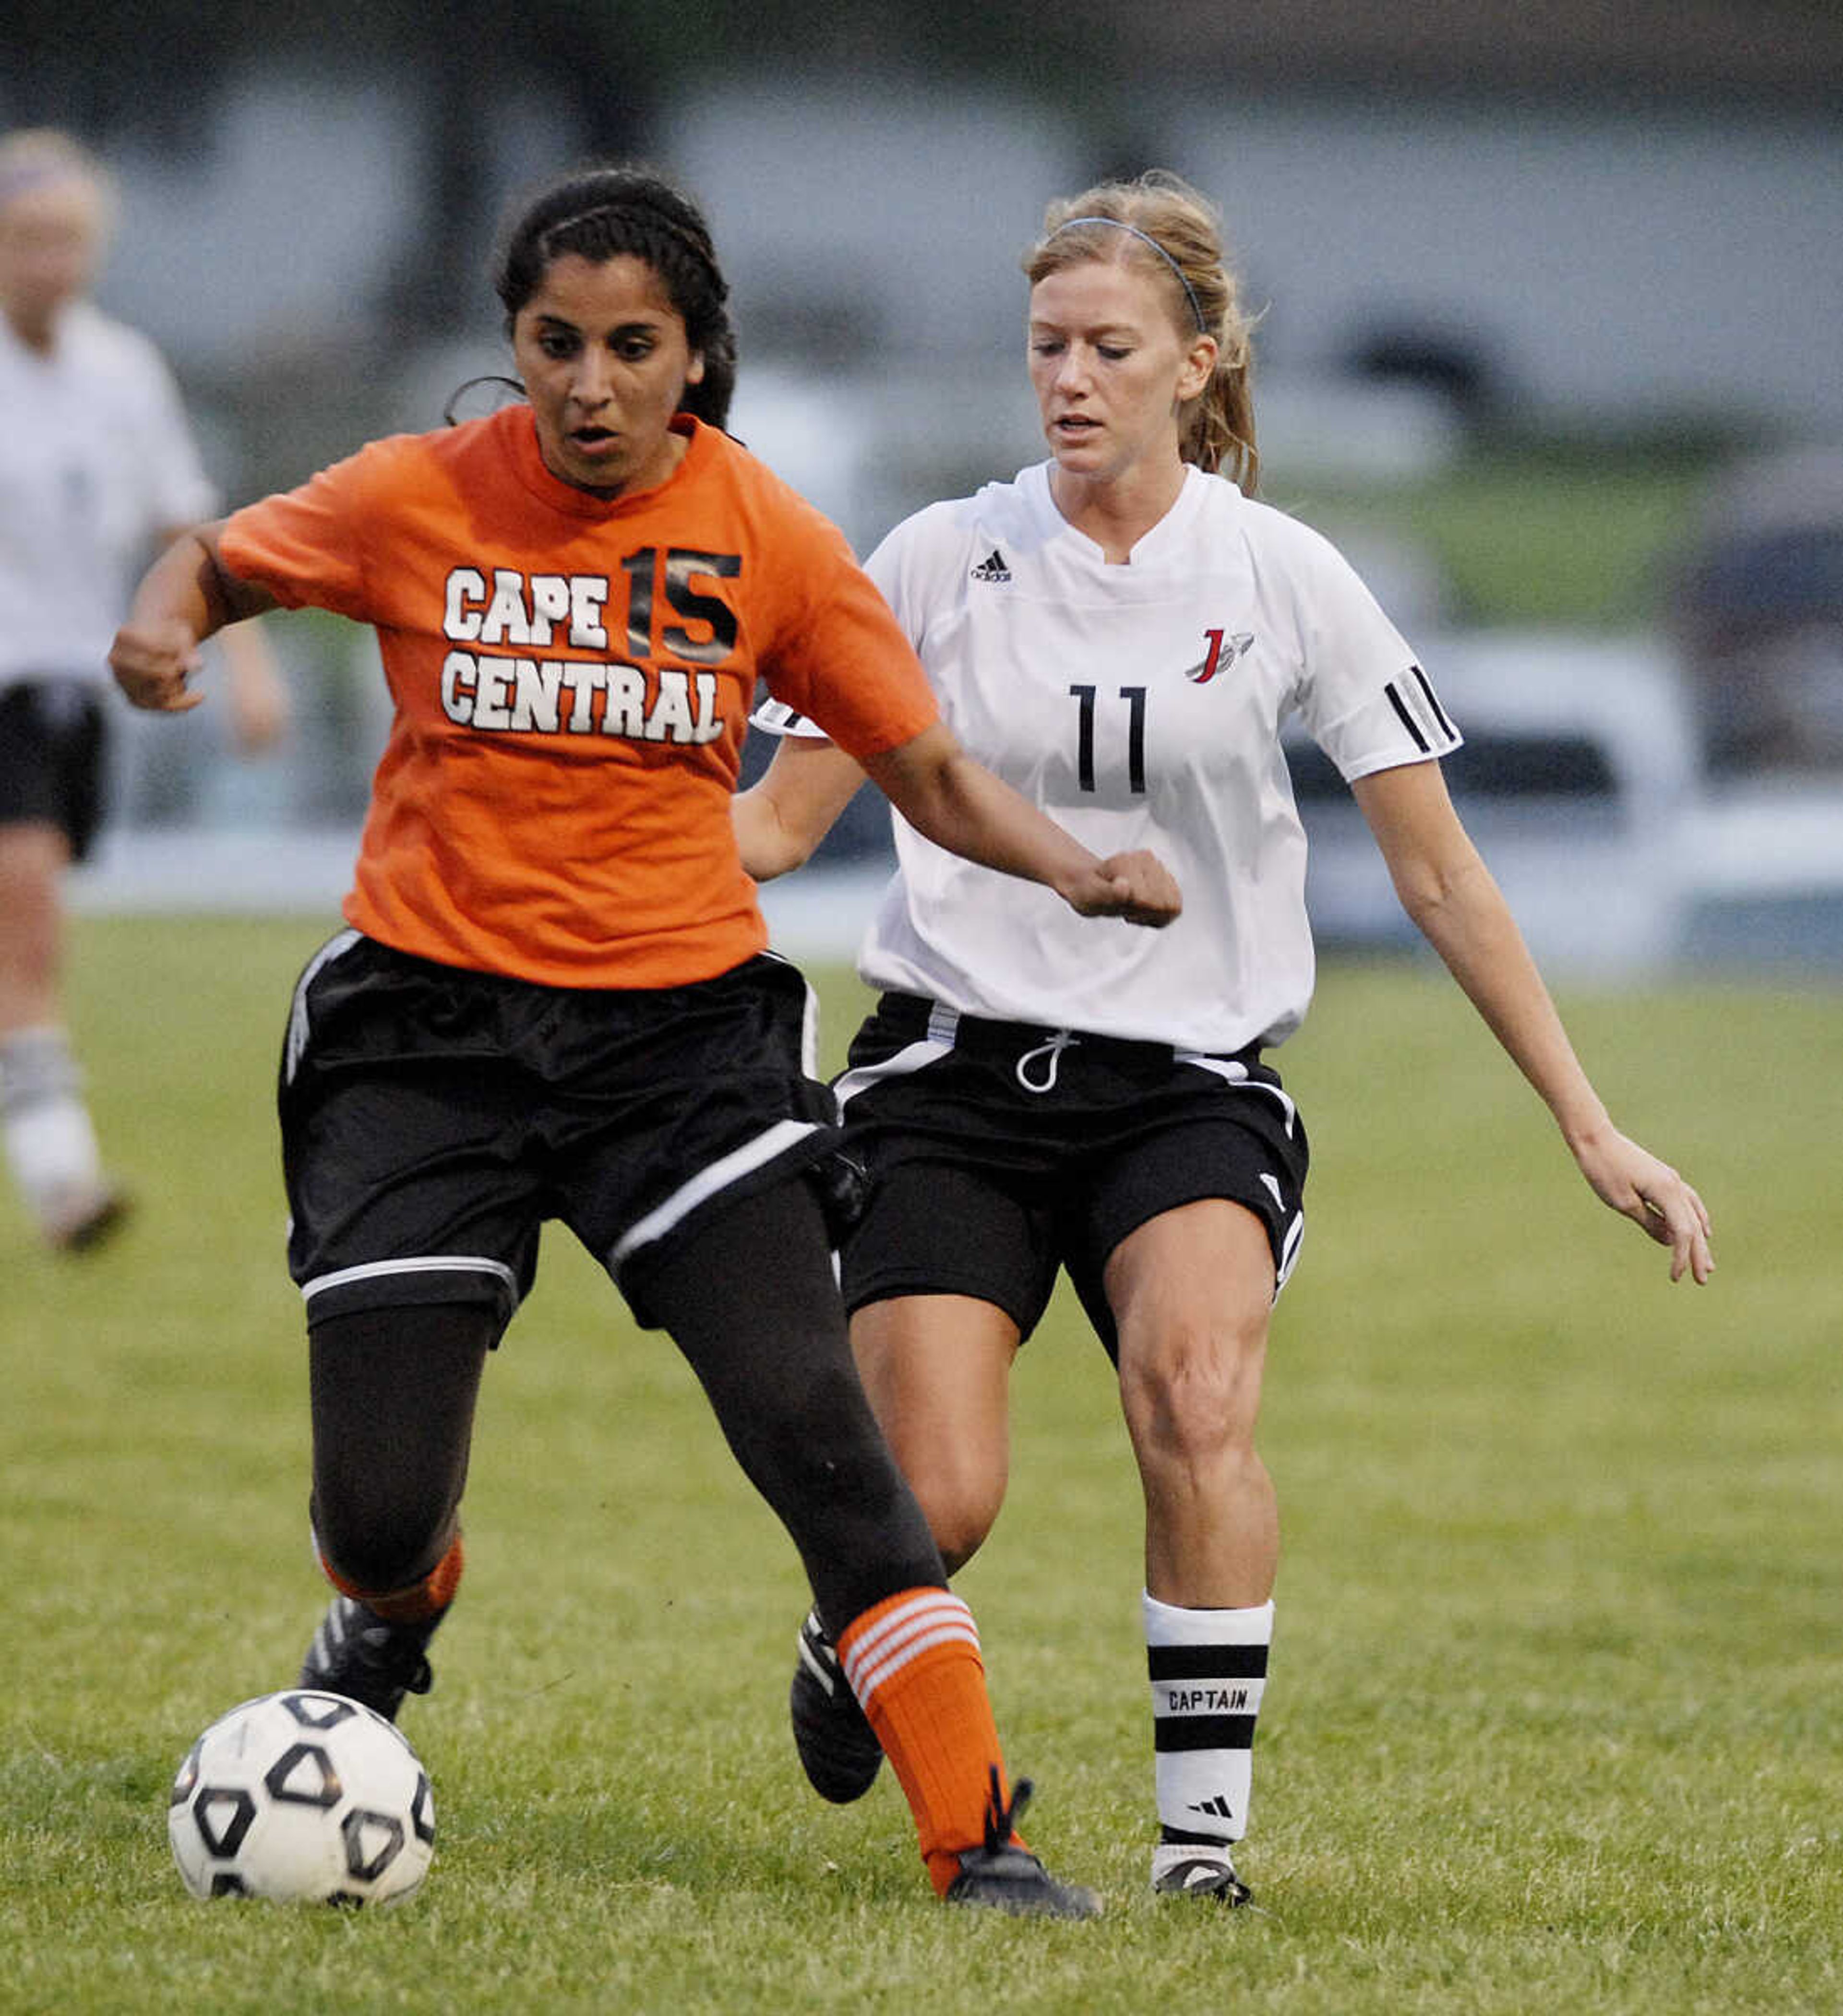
(1554, 1723)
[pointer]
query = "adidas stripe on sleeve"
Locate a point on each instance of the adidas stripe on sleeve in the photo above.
(775, 717)
(1363, 722)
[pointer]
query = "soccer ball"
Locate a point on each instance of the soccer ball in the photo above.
(304, 1798)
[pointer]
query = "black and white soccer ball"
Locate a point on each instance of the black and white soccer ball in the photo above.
(304, 1798)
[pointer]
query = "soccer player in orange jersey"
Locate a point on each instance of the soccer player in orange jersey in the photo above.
(554, 999)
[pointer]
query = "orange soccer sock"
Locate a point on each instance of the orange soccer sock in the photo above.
(422, 1602)
(914, 1664)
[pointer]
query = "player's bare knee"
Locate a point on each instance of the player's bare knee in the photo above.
(959, 1520)
(1195, 1398)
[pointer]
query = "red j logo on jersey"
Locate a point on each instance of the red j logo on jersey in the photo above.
(1224, 649)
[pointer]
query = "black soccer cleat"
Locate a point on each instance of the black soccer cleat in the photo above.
(1003, 1876)
(838, 1748)
(1198, 1868)
(367, 1658)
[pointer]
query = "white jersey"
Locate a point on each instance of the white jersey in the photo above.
(96, 461)
(1140, 706)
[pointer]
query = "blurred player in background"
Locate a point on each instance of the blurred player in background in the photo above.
(96, 467)
(556, 1002)
(1120, 632)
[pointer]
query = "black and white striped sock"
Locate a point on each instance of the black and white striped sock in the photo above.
(1208, 1670)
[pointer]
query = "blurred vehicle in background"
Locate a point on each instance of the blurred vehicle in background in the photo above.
(1756, 613)
(1623, 849)
(1579, 774)
(1757, 610)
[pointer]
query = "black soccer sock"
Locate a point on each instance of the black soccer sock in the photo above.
(751, 1301)
(393, 1392)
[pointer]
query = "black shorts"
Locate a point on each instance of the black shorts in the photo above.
(53, 739)
(433, 1118)
(997, 1152)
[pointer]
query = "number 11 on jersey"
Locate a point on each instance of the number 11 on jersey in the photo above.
(1134, 697)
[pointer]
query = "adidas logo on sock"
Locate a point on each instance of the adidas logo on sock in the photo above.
(992, 567)
(1217, 1808)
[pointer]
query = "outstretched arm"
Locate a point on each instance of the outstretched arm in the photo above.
(960, 805)
(955, 802)
(185, 597)
(1447, 891)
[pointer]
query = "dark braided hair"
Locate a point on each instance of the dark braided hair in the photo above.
(598, 213)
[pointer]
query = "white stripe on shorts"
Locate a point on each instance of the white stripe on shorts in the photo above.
(809, 1019)
(911, 1057)
(1231, 1072)
(297, 1013)
(426, 1263)
(718, 1175)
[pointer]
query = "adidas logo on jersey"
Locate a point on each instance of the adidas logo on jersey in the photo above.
(992, 567)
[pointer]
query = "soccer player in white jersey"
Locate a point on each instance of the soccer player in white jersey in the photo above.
(97, 466)
(1120, 632)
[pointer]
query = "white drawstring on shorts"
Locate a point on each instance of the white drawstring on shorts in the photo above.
(1052, 1050)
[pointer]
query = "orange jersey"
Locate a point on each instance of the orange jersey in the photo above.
(572, 678)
